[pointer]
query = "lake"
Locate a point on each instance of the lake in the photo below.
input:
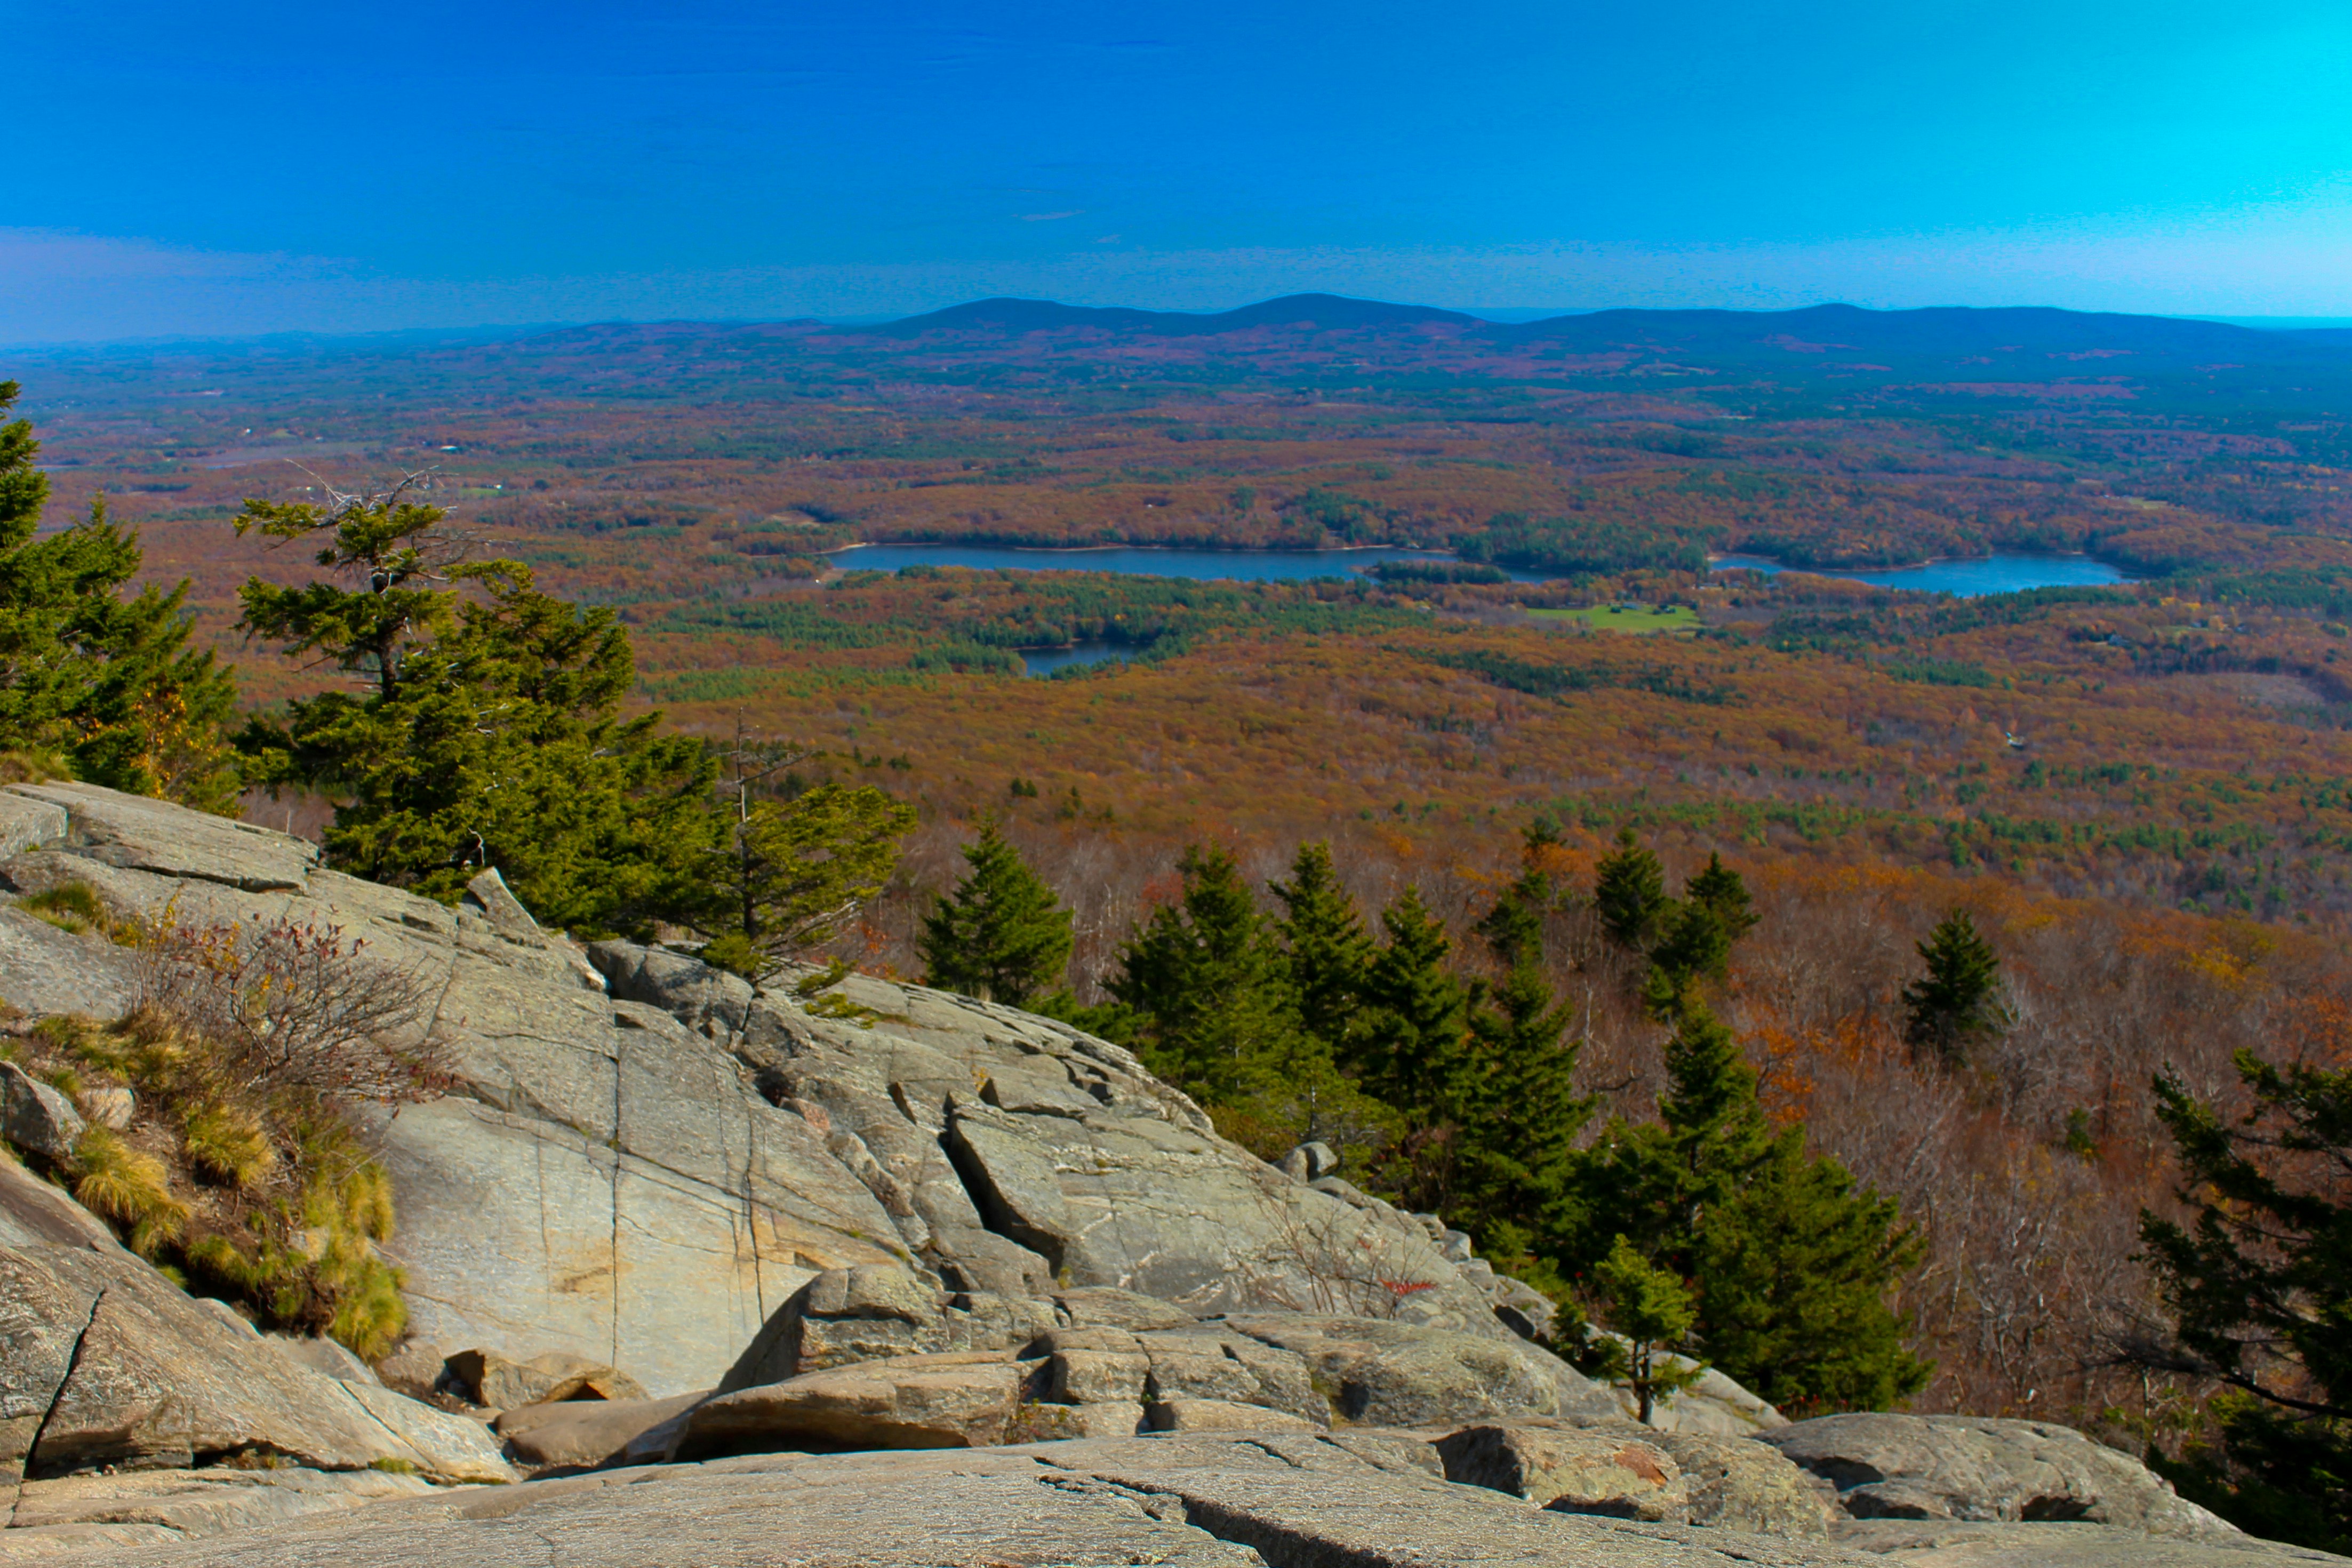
(1963, 579)
(1045, 661)
(1244, 565)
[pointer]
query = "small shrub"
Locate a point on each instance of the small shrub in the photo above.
(244, 1174)
(284, 1007)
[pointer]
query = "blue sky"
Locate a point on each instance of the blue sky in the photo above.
(250, 167)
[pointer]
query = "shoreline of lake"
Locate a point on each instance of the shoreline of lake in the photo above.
(1963, 576)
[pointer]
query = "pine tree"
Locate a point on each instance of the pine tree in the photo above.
(1000, 935)
(796, 872)
(1955, 1003)
(1206, 987)
(1719, 891)
(1412, 1050)
(1696, 946)
(1790, 1262)
(107, 680)
(2259, 1284)
(484, 730)
(1652, 1311)
(1697, 934)
(1326, 950)
(1522, 1114)
(1796, 1266)
(1629, 892)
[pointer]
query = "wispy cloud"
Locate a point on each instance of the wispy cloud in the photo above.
(1052, 217)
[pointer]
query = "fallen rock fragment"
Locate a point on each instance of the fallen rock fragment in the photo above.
(956, 1400)
(579, 1434)
(495, 1382)
(1613, 1473)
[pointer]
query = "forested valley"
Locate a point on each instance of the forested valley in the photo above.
(1888, 998)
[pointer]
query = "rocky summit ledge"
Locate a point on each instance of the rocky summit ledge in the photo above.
(740, 1284)
(1364, 1500)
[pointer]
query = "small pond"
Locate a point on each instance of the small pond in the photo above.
(1247, 565)
(1963, 579)
(1045, 661)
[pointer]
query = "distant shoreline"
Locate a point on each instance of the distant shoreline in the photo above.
(1713, 559)
(1091, 548)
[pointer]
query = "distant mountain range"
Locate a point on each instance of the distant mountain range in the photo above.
(1322, 311)
(1820, 335)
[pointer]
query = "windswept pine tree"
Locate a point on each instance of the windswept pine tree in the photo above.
(1000, 935)
(99, 682)
(482, 727)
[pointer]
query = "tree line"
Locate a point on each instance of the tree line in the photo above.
(479, 727)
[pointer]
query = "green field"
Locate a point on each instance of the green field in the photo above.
(1639, 618)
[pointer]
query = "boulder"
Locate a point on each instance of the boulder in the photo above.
(493, 1381)
(1108, 1307)
(26, 823)
(104, 1363)
(964, 1399)
(1978, 1468)
(45, 970)
(1571, 1470)
(1095, 1377)
(1310, 1162)
(581, 1433)
(1040, 1422)
(110, 1105)
(35, 1117)
(142, 834)
(448, 1448)
(1167, 1208)
(1384, 1374)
